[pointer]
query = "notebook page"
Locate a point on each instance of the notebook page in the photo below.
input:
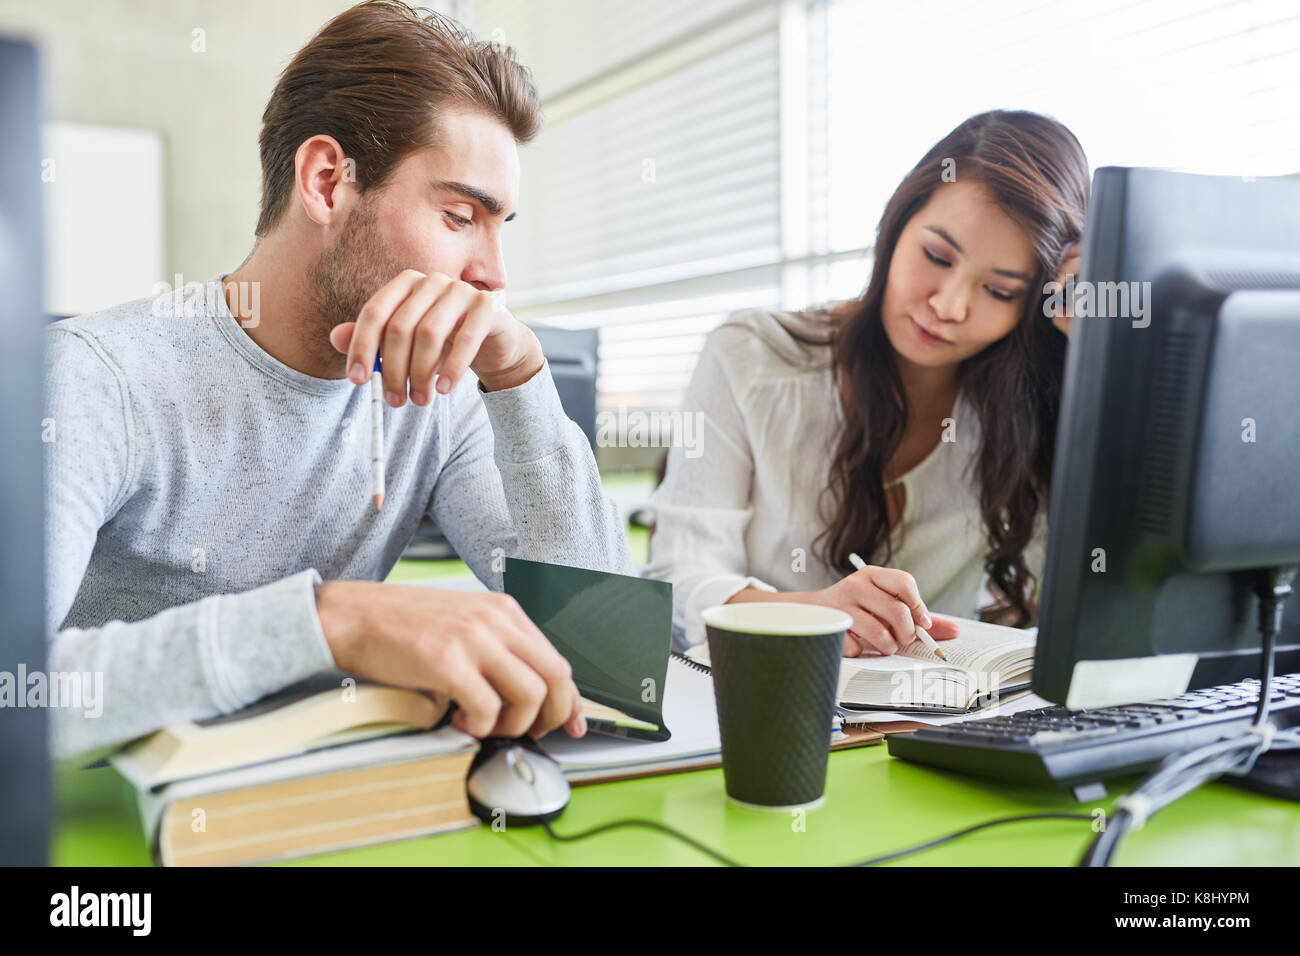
(1021, 702)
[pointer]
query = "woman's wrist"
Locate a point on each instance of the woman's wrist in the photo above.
(750, 594)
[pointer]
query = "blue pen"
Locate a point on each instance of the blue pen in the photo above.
(377, 436)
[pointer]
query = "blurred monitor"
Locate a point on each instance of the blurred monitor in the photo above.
(24, 772)
(572, 356)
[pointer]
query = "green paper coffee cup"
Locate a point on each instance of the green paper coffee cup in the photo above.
(775, 669)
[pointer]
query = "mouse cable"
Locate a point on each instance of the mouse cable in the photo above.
(648, 824)
(726, 861)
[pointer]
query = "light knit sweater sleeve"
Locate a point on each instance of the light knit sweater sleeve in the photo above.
(703, 506)
(527, 486)
(190, 662)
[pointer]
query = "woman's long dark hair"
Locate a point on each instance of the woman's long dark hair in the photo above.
(1037, 173)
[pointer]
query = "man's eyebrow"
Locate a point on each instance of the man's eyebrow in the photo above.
(943, 234)
(486, 200)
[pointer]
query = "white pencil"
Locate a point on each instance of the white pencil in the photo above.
(377, 437)
(858, 563)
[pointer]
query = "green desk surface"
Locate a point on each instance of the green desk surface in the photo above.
(874, 805)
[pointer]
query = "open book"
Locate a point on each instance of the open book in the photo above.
(985, 662)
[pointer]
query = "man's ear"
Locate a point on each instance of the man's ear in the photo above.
(324, 184)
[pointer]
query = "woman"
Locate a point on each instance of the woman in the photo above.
(914, 426)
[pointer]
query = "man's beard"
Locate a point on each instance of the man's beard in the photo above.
(345, 277)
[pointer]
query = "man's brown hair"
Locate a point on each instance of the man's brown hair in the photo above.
(377, 78)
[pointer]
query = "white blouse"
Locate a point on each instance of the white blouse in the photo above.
(738, 507)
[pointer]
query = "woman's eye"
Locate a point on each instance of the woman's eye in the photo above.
(1000, 296)
(935, 259)
(459, 222)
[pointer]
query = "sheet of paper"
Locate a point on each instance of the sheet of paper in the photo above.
(689, 711)
(1027, 702)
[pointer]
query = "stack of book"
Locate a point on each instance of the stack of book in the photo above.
(327, 764)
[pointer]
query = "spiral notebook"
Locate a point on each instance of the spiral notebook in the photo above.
(688, 707)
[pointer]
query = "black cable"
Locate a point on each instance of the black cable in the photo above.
(1104, 843)
(648, 824)
(1272, 586)
(1203, 764)
(897, 854)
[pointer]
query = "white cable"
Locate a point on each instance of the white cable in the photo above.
(1138, 807)
(1265, 731)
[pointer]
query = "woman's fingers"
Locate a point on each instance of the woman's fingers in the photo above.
(901, 586)
(871, 633)
(893, 614)
(943, 629)
(886, 607)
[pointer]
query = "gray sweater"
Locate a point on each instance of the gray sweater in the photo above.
(197, 489)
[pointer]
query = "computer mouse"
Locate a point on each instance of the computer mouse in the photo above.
(514, 777)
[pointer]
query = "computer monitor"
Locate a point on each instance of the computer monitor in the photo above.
(24, 772)
(1177, 463)
(572, 355)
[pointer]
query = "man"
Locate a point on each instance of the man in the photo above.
(212, 535)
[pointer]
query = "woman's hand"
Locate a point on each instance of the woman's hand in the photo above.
(1068, 268)
(886, 608)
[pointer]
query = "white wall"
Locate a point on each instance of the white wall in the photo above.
(102, 245)
(133, 63)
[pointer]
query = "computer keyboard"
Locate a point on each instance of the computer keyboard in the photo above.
(1057, 747)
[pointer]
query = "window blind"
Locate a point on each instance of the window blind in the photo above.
(1208, 86)
(673, 179)
(652, 203)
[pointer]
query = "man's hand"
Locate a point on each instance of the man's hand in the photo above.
(480, 649)
(427, 325)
